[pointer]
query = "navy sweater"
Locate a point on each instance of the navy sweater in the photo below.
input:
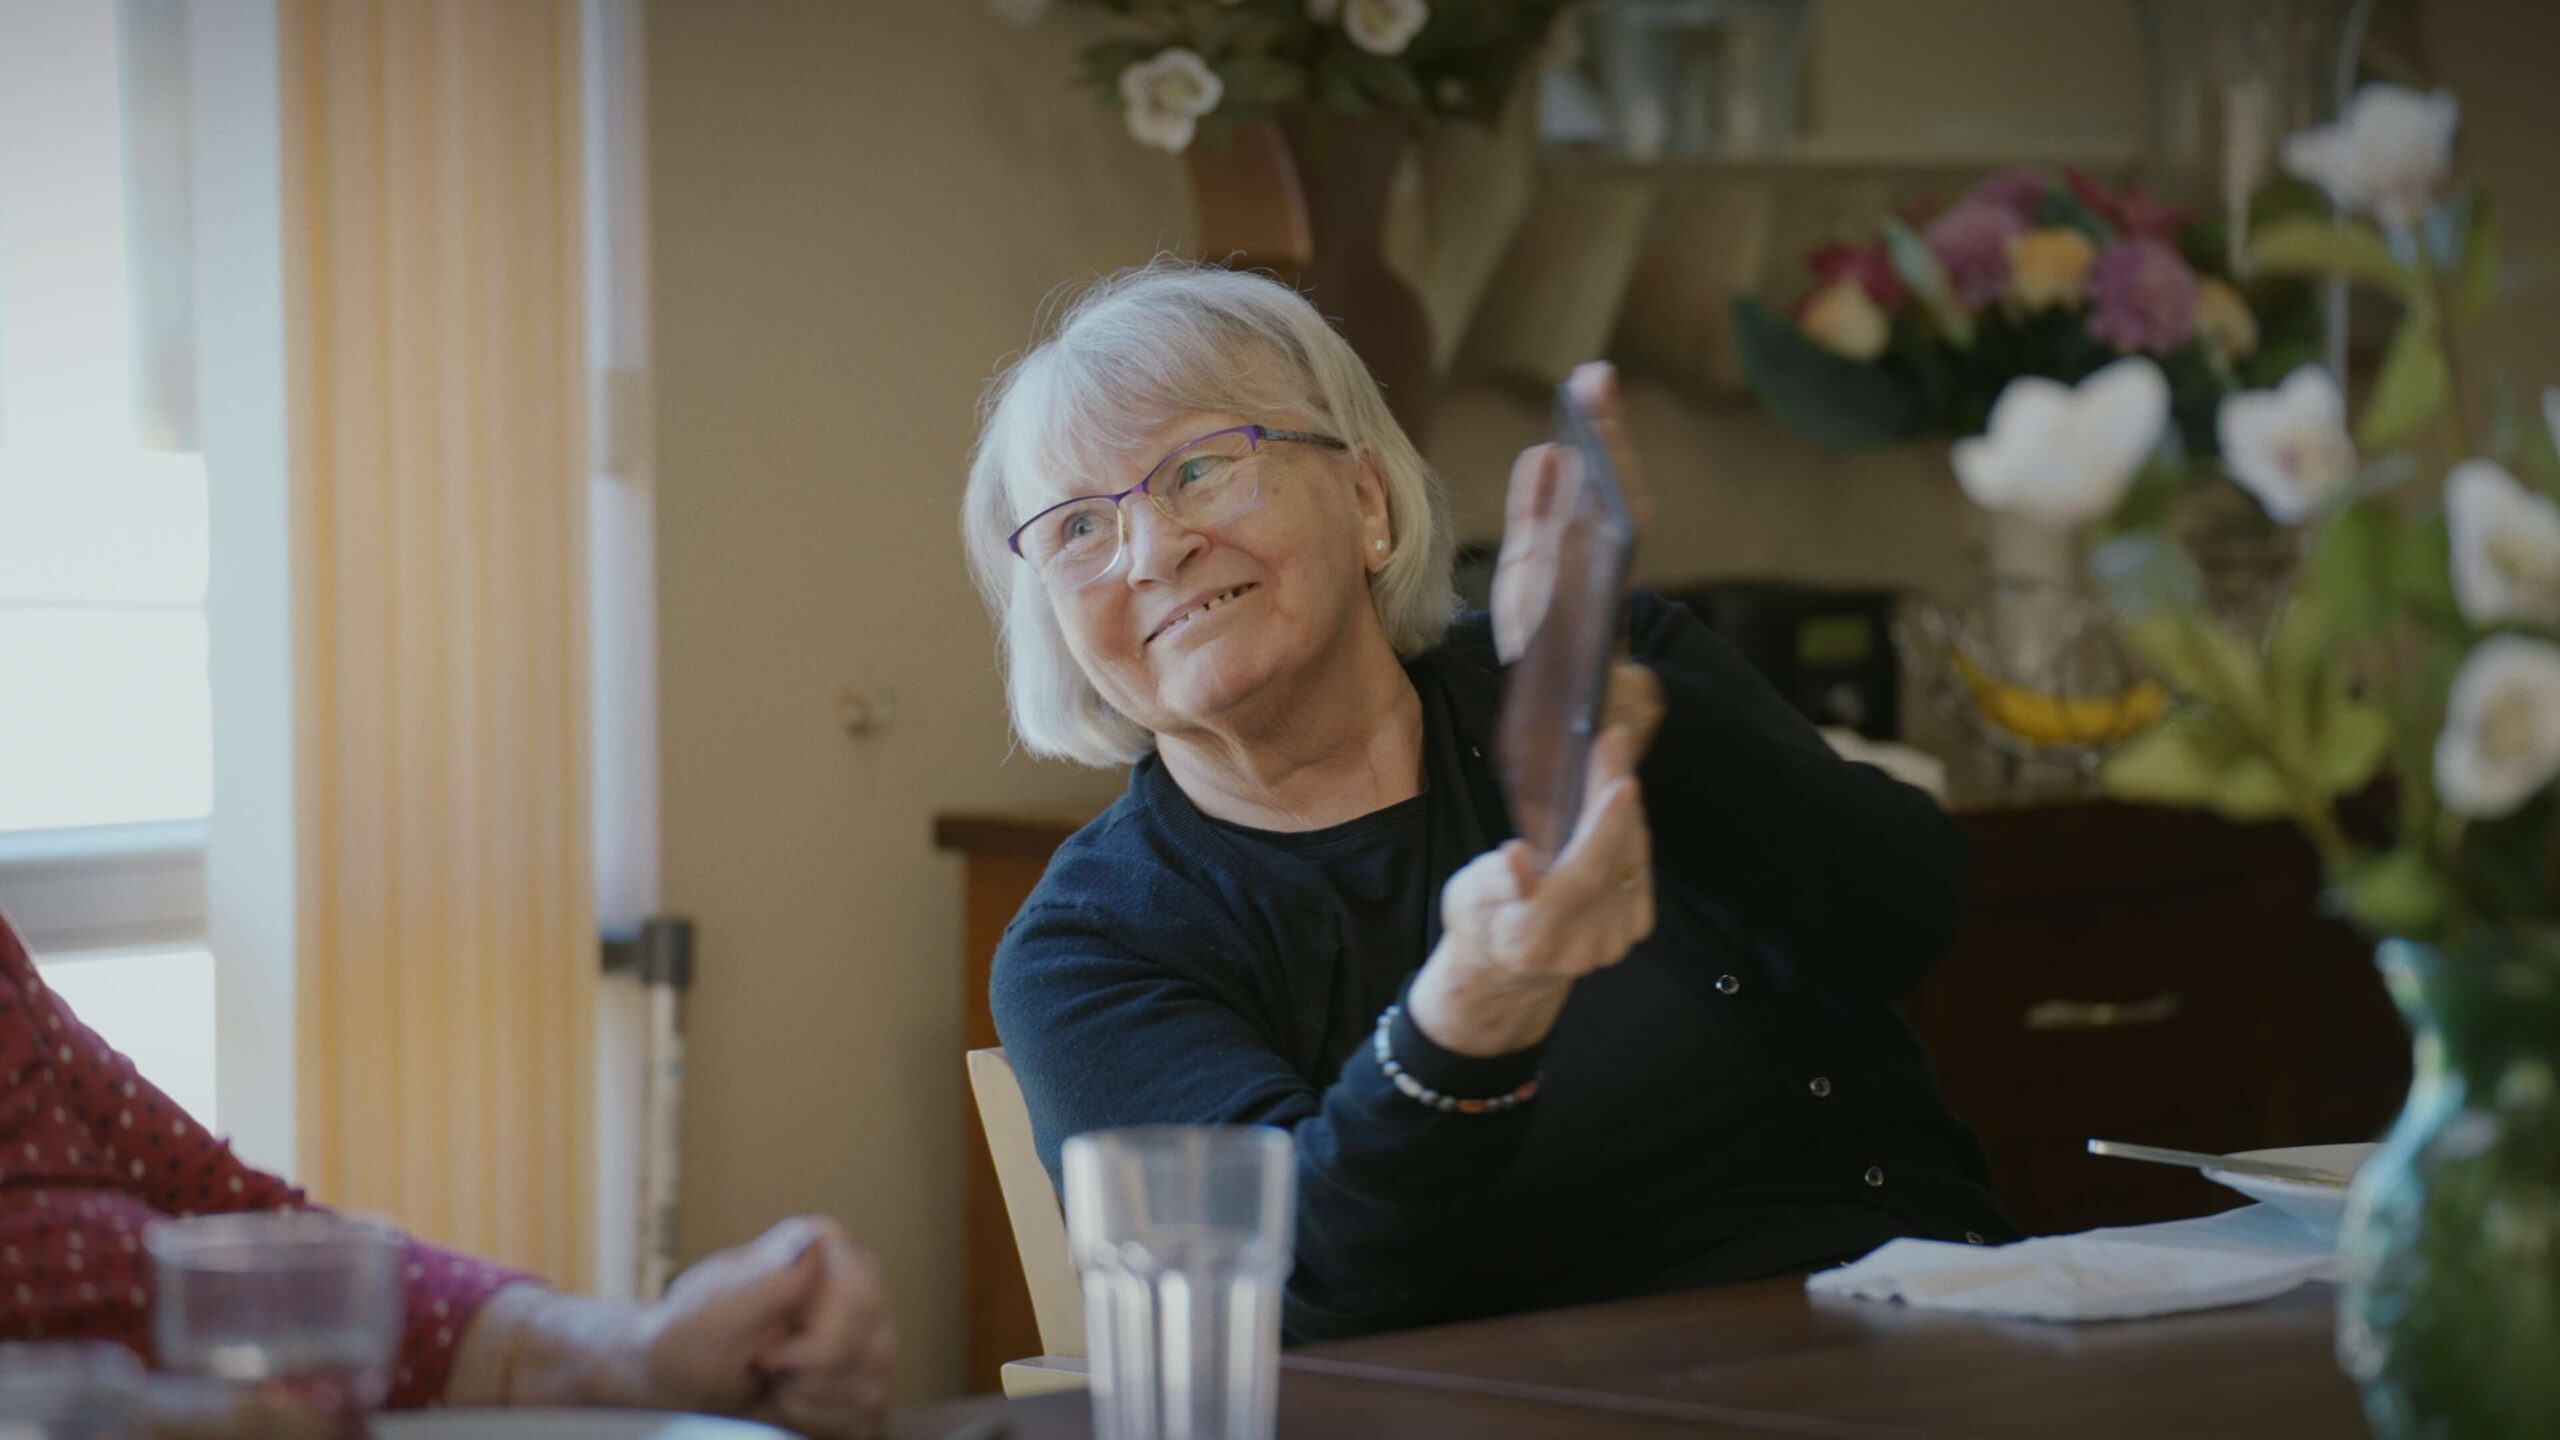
(1738, 1098)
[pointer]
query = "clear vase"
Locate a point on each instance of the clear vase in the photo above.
(2449, 1307)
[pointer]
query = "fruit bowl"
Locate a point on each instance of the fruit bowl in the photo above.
(2030, 672)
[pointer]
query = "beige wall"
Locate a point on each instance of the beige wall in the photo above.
(855, 210)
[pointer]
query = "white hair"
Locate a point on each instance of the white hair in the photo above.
(1130, 352)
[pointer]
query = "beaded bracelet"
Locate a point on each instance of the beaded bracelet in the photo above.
(1422, 1094)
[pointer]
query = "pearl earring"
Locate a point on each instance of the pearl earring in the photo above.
(1378, 545)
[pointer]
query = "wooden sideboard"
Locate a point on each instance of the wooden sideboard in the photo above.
(2124, 972)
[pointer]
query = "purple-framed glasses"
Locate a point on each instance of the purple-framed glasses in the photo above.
(1200, 482)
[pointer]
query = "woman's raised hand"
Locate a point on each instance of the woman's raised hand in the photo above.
(1514, 940)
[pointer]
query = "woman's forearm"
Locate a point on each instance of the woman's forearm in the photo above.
(533, 1346)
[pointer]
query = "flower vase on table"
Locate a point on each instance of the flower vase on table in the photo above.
(2398, 704)
(2449, 1314)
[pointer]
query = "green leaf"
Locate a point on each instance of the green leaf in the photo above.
(2196, 758)
(1341, 90)
(2197, 656)
(2331, 738)
(2347, 749)
(2320, 248)
(1392, 83)
(2475, 278)
(2422, 571)
(2402, 893)
(1830, 399)
(1262, 80)
(2414, 385)
(2351, 568)
(2300, 675)
(1918, 266)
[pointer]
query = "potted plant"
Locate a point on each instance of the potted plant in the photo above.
(1293, 116)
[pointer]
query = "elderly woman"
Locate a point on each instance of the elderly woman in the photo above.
(1670, 1059)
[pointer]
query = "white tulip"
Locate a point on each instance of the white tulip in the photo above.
(2062, 456)
(2506, 547)
(1166, 96)
(2386, 157)
(1384, 27)
(2289, 446)
(2501, 739)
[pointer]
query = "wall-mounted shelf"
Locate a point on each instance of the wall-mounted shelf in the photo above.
(1819, 161)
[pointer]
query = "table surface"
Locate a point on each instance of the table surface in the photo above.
(1767, 1359)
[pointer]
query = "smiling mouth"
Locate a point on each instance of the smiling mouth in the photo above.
(1196, 611)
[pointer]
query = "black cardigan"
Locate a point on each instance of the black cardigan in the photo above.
(1739, 1098)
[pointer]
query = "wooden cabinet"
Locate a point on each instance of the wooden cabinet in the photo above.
(2124, 972)
(2151, 975)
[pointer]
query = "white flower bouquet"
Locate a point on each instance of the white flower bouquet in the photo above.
(2419, 639)
(1189, 71)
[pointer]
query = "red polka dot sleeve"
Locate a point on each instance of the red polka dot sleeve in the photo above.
(91, 1153)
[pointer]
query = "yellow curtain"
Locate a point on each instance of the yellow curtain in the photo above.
(434, 277)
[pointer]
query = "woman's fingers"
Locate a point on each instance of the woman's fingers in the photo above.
(1524, 571)
(1594, 863)
(1595, 386)
(1532, 489)
(1633, 703)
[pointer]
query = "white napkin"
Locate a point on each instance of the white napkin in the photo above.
(2115, 1274)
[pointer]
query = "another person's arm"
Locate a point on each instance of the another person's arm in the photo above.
(91, 1153)
(791, 1330)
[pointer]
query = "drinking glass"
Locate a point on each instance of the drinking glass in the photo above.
(69, 1390)
(1183, 1234)
(298, 1307)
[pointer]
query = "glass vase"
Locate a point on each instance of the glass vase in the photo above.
(2449, 1306)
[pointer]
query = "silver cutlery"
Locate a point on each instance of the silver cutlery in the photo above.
(2233, 1164)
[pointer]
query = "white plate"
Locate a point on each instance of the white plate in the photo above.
(2318, 1206)
(563, 1425)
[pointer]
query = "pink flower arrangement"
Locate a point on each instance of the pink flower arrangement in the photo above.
(1971, 242)
(2019, 243)
(2142, 297)
(1915, 330)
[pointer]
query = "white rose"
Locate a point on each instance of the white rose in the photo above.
(1384, 27)
(2060, 455)
(2506, 547)
(2501, 739)
(2289, 446)
(2386, 157)
(1021, 12)
(1166, 96)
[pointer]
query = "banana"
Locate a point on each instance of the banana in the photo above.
(2043, 719)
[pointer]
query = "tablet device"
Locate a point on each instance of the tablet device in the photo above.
(1552, 696)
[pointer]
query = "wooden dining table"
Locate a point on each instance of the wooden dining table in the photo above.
(1766, 1359)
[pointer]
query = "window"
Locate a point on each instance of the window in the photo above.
(106, 739)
